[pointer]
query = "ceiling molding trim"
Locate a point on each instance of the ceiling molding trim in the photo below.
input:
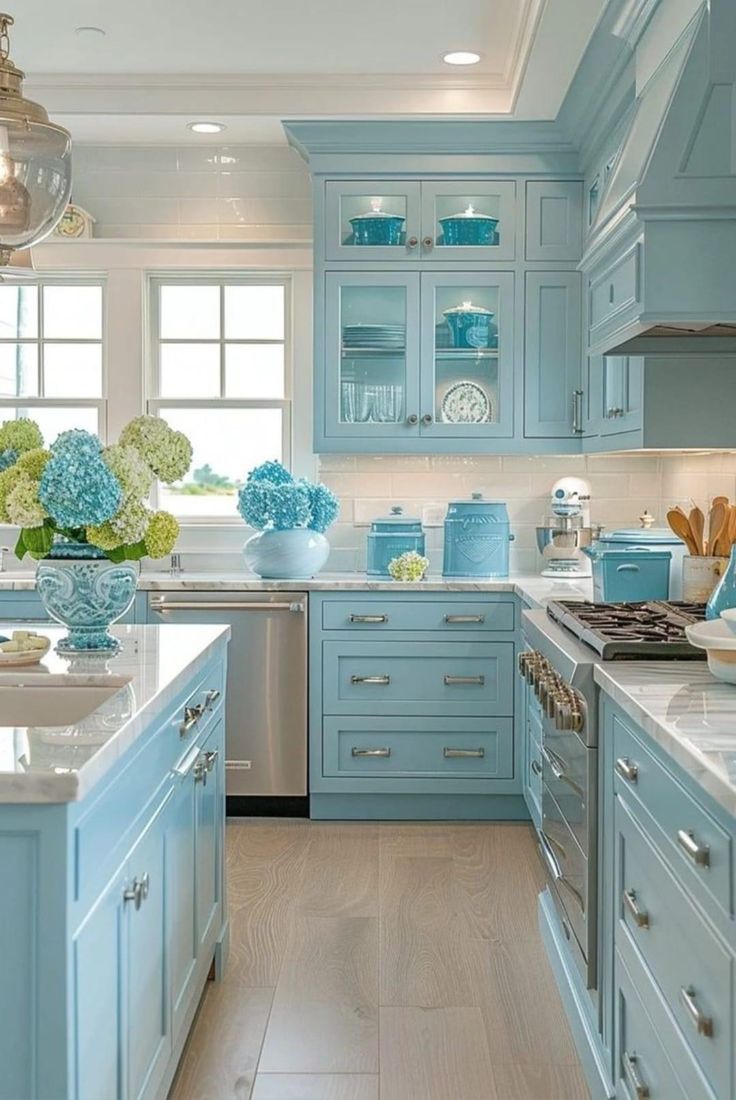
(523, 47)
(633, 19)
(276, 81)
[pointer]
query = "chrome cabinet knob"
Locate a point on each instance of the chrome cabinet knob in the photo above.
(412, 419)
(138, 891)
(427, 418)
(427, 242)
(412, 242)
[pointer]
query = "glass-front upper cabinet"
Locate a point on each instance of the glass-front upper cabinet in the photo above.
(467, 355)
(472, 220)
(372, 355)
(372, 220)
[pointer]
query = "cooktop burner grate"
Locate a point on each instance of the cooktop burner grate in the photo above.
(632, 631)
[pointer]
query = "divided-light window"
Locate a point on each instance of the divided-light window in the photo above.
(51, 356)
(221, 374)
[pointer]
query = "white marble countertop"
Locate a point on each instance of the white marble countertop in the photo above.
(691, 715)
(62, 763)
(532, 588)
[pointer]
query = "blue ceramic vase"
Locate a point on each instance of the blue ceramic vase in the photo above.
(296, 554)
(723, 595)
(86, 595)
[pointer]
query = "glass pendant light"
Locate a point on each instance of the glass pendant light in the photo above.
(35, 162)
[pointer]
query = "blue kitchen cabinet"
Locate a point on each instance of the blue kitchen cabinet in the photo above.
(553, 395)
(374, 220)
(554, 220)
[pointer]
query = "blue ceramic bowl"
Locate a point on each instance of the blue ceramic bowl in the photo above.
(375, 229)
(464, 229)
(470, 328)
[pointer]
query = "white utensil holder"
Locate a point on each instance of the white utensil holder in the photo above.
(700, 575)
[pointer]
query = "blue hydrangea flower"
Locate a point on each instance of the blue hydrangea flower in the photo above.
(282, 506)
(273, 472)
(323, 505)
(8, 458)
(77, 488)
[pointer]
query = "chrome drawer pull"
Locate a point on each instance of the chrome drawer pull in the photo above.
(536, 767)
(370, 752)
(479, 681)
(138, 892)
(211, 698)
(465, 618)
(370, 679)
(183, 769)
(369, 618)
(703, 1024)
(191, 716)
(625, 768)
(458, 754)
(699, 853)
(210, 759)
(641, 917)
(630, 1064)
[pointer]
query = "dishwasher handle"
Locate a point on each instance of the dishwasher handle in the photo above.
(162, 606)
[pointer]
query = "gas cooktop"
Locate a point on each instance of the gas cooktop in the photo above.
(632, 631)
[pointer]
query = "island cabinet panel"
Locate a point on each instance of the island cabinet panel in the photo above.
(421, 721)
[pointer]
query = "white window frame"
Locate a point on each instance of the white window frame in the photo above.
(154, 403)
(30, 403)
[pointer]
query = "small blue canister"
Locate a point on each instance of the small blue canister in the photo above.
(390, 536)
(477, 537)
(629, 574)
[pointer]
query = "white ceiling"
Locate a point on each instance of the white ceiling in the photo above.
(249, 63)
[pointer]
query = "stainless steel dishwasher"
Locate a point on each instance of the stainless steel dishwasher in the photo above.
(266, 690)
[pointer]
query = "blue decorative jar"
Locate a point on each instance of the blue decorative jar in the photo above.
(469, 228)
(629, 574)
(477, 538)
(294, 554)
(650, 538)
(470, 326)
(390, 536)
(723, 595)
(377, 227)
(85, 592)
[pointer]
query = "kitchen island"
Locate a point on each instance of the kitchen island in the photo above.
(111, 834)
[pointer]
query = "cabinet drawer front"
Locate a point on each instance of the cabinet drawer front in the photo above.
(471, 748)
(453, 678)
(387, 615)
(705, 864)
(640, 1058)
(686, 960)
(614, 290)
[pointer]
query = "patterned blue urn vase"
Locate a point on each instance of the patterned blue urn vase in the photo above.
(86, 595)
(296, 554)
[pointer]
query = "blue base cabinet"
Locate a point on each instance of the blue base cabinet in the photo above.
(115, 916)
(412, 704)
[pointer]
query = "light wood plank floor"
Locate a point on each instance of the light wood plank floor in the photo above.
(381, 962)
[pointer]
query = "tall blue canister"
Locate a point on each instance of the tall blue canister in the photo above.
(477, 537)
(388, 537)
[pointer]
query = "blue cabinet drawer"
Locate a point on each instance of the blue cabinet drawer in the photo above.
(690, 840)
(691, 967)
(379, 615)
(468, 748)
(454, 679)
(614, 290)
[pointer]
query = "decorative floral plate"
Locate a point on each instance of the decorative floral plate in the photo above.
(466, 403)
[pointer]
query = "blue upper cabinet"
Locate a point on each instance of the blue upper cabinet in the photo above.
(372, 219)
(554, 220)
(553, 397)
(472, 220)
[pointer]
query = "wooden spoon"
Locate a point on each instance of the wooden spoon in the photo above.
(731, 535)
(680, 524)
(717, 526)
(697, 526)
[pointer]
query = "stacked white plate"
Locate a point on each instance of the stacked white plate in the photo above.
(718, 640)
(380, 337)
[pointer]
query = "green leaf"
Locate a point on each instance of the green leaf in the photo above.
(117, 555)
(136, 551)
(20, 547)
(38, 540)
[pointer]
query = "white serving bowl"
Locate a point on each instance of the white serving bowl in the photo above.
(729, 618)
(719, 643)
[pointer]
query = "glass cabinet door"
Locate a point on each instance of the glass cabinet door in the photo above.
(372, 355)
(372, 220)
(467, 355)
(473, 220)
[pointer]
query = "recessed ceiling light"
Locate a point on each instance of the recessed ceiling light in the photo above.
(461, 57)
(206, 127)
(90, 32)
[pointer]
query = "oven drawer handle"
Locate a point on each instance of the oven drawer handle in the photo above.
(630, 1064)
(461, 754)
(699, 853)
(629, 771)
(703, 1024)
(383, 680)
(370, 752)
(478, 681)
(640, 916)
(369, 618)
(551, 860)
(559, 773)
(465, 618)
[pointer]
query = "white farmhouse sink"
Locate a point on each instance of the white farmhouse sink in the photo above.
(50, 705)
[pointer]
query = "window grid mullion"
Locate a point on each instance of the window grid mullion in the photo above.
(222, 339)
(41, 334)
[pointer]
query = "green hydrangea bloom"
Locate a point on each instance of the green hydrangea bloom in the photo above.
(20, 435)
(103, 536)
(168, 453)
(130, 522)
(34, 462)
(22, 503)
(8, 480)
(161, 534)
(130, 468)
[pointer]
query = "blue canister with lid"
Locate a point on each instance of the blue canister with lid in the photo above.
(629, 574)
(390, 536)
(477, 537)
(648, 537)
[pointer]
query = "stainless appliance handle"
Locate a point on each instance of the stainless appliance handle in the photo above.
(627, 770)
(703, 1024)
(640, 916)
(559, 772)
(215, 605)
(554, 868)
(630, 1065)
(370, 679)
(370, 752)
(465, 618)
(478, 681)
(457, 754)
(699, 853)
(369, 618)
